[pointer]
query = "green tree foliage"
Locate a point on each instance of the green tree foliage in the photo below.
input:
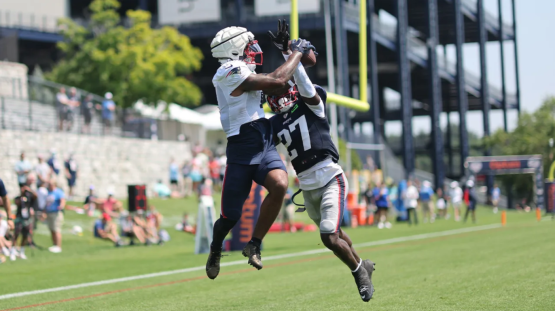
(531, 136)
(356, 163)
(133, 63)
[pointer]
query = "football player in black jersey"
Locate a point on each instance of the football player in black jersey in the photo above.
(301, 125)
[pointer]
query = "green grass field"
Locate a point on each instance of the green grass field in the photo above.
(509, 268)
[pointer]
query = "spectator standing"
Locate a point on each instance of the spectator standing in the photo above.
(55, 204)
(174, 175)
(440, 204)
(495, 195)
(71, 173)
(382, 203)
(6, 202)
(87, 111)
(62, 105)
(22, 169)
(472, 201)
(24, 215)
(43, 171)
(108, 109)
(456, 196)
(187, 181)
(411, 202)
(426, 194)
(214, 166)
(54, 163)
(73, 103)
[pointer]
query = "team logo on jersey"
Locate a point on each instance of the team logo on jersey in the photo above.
(234, 71)
(294, 108)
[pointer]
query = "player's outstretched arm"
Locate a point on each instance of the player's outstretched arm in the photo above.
(275, 80)
(304, 85)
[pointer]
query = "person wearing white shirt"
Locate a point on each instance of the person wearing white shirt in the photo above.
(411, 201)
(456, 195)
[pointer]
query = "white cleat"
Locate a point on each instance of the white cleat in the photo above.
(55, 249)
(388, 225)
(380, 225)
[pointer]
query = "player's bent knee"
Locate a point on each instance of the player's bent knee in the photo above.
(277, 182)
(329, 239)
(327, 226)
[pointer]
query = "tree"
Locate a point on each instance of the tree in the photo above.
(133, 63)
(531, 136)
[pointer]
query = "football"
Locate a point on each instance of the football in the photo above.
(308, 60)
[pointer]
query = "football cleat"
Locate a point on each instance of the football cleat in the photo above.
(364, 286)
(213, 263)
(369, 266)
(252, 252)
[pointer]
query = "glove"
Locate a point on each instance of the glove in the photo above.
(281, 40)
(301, 45)
(311, 47)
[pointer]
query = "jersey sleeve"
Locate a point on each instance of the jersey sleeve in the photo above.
(233, 75)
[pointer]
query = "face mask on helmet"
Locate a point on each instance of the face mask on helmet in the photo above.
(282, 103)
(253, 55)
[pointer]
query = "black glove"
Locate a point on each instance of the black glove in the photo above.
(281, 40)
(302, 46)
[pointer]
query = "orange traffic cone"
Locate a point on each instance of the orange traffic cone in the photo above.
(503, 218)
(538, 214)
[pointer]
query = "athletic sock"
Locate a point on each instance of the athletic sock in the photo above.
(256, 241)
(222, 226)
(359, 264)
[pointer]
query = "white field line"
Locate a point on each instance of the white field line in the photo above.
(241, 262)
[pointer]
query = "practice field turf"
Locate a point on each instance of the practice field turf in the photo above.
(441, 266)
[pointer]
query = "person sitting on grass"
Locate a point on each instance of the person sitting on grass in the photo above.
(153, 223)
(185, 225)
(161, 190)
(105, 229)
(91, 202)
(5, 245)
(132, 226)
(111, 205)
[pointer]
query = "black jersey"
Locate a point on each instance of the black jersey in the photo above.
(305, 135)
(27, 201)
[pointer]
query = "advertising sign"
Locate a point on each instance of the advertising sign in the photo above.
(241, 234)
(188, 11)
(283, 7)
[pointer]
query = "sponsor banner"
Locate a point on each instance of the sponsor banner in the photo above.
(497, 166)
(283, 7)
(188, 11)
(241, 234)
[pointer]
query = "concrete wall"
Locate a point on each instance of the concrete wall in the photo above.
(108, 163)
(13, 80)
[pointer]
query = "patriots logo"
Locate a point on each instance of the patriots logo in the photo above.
(234, 71)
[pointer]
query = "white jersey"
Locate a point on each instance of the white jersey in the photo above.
(456, 195)
(236, 110)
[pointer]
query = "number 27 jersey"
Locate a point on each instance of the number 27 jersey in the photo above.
(305, 134)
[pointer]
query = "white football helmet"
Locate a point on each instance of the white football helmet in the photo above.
(236, 43)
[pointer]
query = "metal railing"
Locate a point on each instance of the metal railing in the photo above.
(19, 20)
(38, 110)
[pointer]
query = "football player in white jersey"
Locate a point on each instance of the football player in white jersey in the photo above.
(251, 154)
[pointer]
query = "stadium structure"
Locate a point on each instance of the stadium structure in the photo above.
(405, 56)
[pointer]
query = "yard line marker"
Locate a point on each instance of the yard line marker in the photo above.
(240, 262)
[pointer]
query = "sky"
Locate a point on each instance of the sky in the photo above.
(536, 49)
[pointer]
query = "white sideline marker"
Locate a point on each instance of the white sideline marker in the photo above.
(240, 262)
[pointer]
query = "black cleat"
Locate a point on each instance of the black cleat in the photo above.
(252, 252)
(364, 285)
(369, 266)
(213, 263)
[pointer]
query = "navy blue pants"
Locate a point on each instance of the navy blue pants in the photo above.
(251, 156)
